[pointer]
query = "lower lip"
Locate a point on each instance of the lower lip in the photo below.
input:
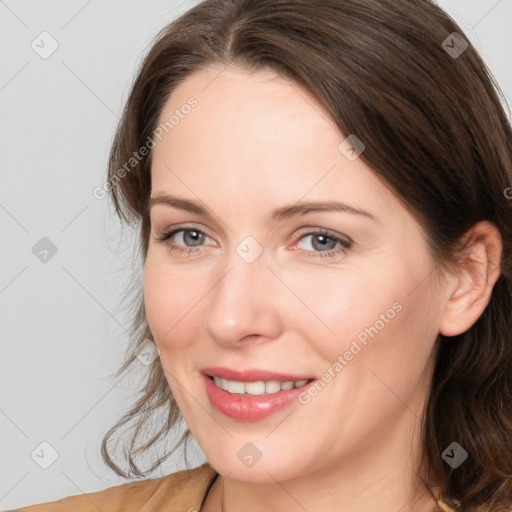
(250, 408)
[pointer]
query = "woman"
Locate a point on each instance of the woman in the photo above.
(326, 235)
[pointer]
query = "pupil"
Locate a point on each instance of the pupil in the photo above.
(195, 235)
(323, 240)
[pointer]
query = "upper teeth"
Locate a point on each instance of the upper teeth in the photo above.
(256, 388)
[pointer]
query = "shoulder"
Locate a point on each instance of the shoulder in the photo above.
(181, 490)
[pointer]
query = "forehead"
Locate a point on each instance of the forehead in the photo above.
(257, 137)
(261, 107)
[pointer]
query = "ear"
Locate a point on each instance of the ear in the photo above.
(469, 291)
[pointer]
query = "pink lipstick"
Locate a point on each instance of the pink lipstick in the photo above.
(251, 395)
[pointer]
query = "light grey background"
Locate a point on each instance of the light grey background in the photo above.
(63, 332)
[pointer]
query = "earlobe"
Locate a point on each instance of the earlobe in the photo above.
(469, 292)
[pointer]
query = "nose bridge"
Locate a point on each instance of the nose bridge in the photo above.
(240, 303)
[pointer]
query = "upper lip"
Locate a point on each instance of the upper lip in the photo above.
(252, 374)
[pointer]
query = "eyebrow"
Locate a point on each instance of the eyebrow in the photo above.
(278, 214)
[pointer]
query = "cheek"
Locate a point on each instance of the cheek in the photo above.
(167, 304)
(377, 319)
(351, 303)
(395, 329)
(378, 357)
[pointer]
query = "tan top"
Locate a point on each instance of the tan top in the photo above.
(183, 491)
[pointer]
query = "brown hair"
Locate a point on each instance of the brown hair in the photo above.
(435, 132)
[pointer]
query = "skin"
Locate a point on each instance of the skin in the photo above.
(253, 143)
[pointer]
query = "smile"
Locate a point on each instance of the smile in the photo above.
(258, 387)
(252, 394)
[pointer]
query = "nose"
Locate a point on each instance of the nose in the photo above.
(243, 305)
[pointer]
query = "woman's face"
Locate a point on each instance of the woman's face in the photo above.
(345, 296)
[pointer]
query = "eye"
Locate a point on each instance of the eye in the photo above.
(320, 240)
(189, 235)
(323, 239)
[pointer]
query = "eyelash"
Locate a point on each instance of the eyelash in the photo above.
(345, 244)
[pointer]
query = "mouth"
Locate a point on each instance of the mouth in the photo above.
(251, 395)
(257, 388)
